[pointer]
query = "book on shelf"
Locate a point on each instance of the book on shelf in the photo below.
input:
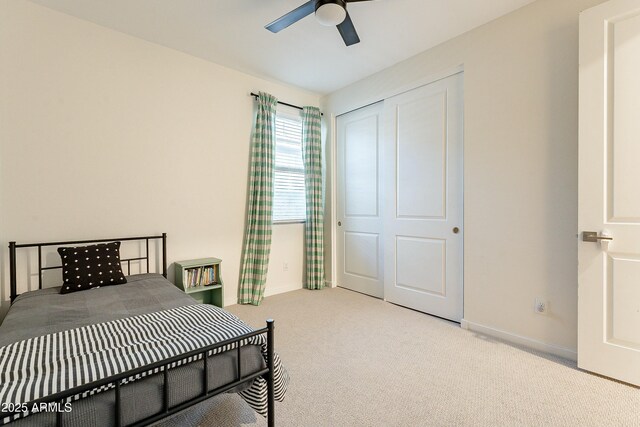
(200, 276)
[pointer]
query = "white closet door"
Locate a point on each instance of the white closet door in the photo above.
(609, 194)
(359, 237)
(424, 196)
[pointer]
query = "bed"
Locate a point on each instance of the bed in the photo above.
(129, 354)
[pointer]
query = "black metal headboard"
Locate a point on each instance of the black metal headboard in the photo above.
(13, 246)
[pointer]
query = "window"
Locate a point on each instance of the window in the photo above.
(289, 195)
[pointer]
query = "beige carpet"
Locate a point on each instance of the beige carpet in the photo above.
(358, 361)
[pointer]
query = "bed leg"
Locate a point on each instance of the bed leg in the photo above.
(164, 255)
(271, 402)
(59, 413)
(118, 405)
(12, 271)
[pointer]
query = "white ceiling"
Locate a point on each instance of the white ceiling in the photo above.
(307, 55)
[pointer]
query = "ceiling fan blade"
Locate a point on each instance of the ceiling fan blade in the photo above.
(348, 31)
(292, 17)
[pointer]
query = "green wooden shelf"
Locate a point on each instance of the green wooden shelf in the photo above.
(187, 271)
(202, 288)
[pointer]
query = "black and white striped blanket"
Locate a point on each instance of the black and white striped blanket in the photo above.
(41, 366)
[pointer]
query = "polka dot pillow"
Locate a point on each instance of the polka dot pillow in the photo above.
(88, 267)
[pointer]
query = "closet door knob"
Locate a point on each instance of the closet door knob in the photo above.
(456, 230)
(339, 223)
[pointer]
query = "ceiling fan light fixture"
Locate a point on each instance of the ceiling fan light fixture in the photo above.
(330, 13)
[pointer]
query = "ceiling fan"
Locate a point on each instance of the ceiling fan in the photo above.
(328, 12)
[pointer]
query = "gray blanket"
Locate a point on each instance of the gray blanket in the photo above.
(47, 311)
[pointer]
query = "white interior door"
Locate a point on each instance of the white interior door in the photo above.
(423, 212)
(359, 202)
(609, 191)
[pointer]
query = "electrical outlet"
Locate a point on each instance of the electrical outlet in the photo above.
(285, 266)
(541, 306)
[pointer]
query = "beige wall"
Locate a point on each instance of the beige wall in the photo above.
(103, 134)
(521, 142)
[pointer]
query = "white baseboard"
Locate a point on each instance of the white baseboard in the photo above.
(563, 352)
(268, 292)
(329, 284)
(282, 289)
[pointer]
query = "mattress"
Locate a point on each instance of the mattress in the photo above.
(46, 311)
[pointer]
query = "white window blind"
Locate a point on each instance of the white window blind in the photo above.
(289, 196)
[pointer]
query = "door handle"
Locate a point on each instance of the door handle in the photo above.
(592, 236)
(339, 223)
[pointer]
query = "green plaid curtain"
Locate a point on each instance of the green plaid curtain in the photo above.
(257, 240)
(314, 225)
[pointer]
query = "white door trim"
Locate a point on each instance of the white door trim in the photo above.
(374, 98)
(334, 202)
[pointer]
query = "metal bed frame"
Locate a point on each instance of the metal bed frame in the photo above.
(164, 365)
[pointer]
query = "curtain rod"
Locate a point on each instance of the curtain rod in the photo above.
(255, 95)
